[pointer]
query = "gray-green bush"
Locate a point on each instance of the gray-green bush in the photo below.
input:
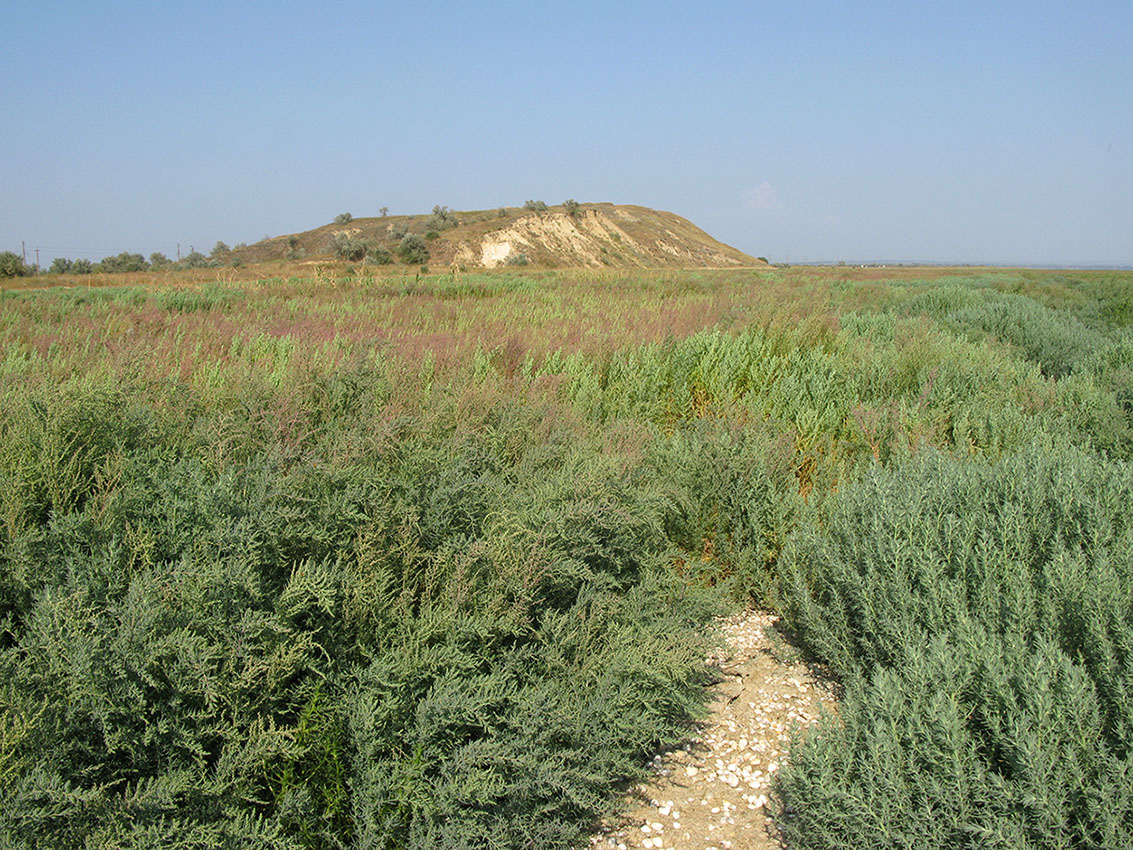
(350, 246)
(413, 250)
(981, 617)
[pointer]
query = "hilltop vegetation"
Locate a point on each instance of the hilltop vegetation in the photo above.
(428, 561)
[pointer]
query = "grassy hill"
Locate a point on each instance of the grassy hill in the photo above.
(598, 235)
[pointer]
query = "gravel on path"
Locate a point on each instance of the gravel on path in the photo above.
(714, 792)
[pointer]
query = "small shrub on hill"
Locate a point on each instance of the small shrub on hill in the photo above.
(379, 256)
(343, 218)
(350, 246)
(535, 206)
(440, 219)
(413, 250)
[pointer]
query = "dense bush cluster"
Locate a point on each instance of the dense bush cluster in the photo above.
(413, 250)
(13, 265)
(981, 617)
(461, 637)
(350, 246)
(441, 218)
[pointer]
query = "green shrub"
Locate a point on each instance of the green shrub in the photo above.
(412, 250)
(535, 206)
(343, 218)
(440, 219)
(121, 263)
(379, 256)
(12, 265)
(737, 501)
(350, 246)
(982, 619)
(194, 260)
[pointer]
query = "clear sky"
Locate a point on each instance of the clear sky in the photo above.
(933, 131)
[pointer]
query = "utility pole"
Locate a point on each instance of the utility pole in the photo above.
(24, 251)
(178, 252)
(37, 261)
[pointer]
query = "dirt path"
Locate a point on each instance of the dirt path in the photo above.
(714, 793)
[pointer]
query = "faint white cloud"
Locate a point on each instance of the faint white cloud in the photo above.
(762, 197)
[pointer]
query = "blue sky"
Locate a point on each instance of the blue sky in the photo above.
(941, 132)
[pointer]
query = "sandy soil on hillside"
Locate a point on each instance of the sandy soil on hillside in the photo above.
(714, 792)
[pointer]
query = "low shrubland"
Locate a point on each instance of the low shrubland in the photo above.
(981, 619)
(431, 561)
(457, 634)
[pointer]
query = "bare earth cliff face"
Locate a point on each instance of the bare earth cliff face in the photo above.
(600, 237)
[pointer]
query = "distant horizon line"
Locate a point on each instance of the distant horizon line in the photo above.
(961, 264)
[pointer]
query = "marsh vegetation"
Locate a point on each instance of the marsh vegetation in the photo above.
(428, 562)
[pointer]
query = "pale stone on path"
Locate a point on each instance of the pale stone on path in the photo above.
(729, 764)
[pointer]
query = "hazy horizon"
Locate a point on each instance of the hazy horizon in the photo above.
(942, 133)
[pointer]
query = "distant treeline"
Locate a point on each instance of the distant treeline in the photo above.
(128, 262)
(13, 265)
